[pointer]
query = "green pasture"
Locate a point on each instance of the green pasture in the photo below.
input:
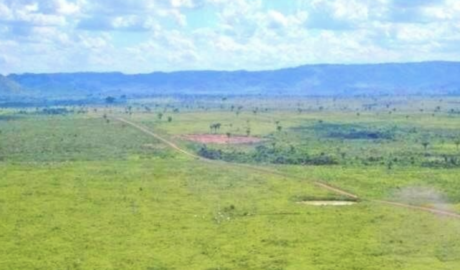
(85, 191)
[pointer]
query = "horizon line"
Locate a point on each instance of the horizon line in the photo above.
(234, 70)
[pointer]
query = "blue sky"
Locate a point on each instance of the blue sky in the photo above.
(138, 36)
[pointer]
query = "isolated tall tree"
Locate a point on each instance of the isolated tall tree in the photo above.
(425, 145)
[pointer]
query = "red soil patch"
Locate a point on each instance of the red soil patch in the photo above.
(220, 139)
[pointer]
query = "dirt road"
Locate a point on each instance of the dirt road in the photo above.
(420, 208)
(274, 172)
(251, 167)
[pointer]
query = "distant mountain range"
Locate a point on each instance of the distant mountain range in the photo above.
(425, 78)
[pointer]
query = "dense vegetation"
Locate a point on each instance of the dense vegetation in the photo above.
(266, 154)
(320, 143)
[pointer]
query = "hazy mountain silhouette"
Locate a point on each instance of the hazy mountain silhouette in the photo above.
(426, 78)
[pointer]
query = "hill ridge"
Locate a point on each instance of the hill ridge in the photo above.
(415, 78)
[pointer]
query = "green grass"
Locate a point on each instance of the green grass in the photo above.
(78, 192)
(135, 215)
(68, 138)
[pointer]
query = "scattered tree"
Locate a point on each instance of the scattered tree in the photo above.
(215, 127)
(110, 100)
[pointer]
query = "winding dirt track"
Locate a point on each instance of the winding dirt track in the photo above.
(420, 208)
(274, 172)
(254, 168)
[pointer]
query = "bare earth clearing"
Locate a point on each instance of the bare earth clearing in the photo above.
(220, 139)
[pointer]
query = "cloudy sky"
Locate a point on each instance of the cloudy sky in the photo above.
(164, 35)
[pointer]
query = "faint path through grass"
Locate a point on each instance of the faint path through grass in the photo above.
(259, 169)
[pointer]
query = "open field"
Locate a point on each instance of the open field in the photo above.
(80, 189)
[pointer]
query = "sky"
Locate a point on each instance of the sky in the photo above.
(141, 36)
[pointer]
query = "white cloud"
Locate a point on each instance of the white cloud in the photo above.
(52, 35)
(5, 12)
(58, 7)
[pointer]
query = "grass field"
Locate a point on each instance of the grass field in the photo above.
(85, 191)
